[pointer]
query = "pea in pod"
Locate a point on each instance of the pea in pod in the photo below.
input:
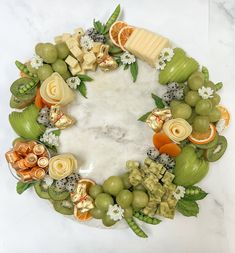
(146, 218)
(24, 69)
(194, 193)
(112, 18)
(218, 86)
(135, 228)
(205, 72)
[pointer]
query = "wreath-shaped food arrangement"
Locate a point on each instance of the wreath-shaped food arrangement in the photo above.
(187, 122)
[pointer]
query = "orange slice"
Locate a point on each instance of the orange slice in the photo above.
(82, 216)
(114, 31)
(203, 138)
(224, 114)
(88, 182)
(38, 100)
(124, 35)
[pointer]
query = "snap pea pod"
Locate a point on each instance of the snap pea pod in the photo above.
(193, 193)
(135, 228)
(112, 18)
(24, 69)
(29, 86)
(146, 218)
(205, 72)
(218, 86)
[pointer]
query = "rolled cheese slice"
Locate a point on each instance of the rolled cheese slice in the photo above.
(177, 129)
(54, 90)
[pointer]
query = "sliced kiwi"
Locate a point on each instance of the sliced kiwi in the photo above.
(18, 103)
(210, 144)
(41, 189)
(57, 194)
(65, 206)
(215, 153)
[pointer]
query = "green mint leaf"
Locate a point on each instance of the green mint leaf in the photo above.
(126, 66)
(57, 132)
(85, 78)
(144, 117)
(194, 193)
(187, 208)
(82, 89)
(134, 70)
(158, 101)
(21, 187)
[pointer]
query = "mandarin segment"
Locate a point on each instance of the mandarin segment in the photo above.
(160, 139)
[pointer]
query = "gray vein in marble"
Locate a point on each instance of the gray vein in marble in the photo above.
(228, 11)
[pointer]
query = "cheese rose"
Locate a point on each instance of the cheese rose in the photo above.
(177, 129)
(54, 90)
(61, 166)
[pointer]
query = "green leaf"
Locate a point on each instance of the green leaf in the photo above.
(21, 187)
(194, 193)
(99, 27)
(134, 70)
(126, 66)
(187, 208)
(112, 18)
(82, 89)
(85, 78)
(57, 132)
(158, 101)
(144, 117)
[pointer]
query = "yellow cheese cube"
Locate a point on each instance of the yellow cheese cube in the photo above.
(74, 71)
(79, 31)
(77, 52)
(96, 47)
(58, 39)
(65, 36)
(89, 58)
(86, 66)
(77, 37)
(72, 62)
(71, 42)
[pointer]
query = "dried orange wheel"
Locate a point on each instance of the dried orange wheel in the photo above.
(88, 182)
(225, 115)
(82, 216)
(114, 31)
(124, 35)
(203, 138)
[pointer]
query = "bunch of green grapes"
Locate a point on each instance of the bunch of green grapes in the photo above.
(197, 111)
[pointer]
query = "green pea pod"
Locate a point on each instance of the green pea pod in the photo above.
(112, 18)
(146, 218)
(194, 193)
(24, 69)
(218, 86)
(135, 228)
(205, 72)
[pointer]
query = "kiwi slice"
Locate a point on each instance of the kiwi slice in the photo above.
(215, 153)
(57, 194)
(18, 103)
(41, 189)
(210, 144)
(65, 206)
(15, 89)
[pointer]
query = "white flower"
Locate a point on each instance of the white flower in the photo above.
(220, 126)
(115, 212)
(48, 180)
(86, 42)
(166, 54)
(73, 82)
(36, 61)
(50, 138)
(127, 58)
(160, 65)
(205, 92)
(179, 192)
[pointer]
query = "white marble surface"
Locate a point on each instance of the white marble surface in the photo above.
(206, 30)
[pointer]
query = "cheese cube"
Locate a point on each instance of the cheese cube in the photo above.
(79, 31)
(86, 66)
(96, 47)
(74, 71)
(65, 36)
(77, 37)
(71, 42)
(58, 39)
(89, 58)
(77, 52)
(72, 62)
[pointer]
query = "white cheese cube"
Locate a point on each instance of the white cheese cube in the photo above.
(74, 71)
(65, 36)
(58, 39)
(89, 58)
(71, 42)
(96, 47)
(86, 66)
(72, 62)
(77, 52)
(77, 37)
(79, 31)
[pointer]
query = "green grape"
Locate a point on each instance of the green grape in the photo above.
(140, 199)
(140, 187)
(49, 53)
(128, 212)
(203, 107)
(30, 68)
(62, 50)
(107, 221)
(95, 190)
(103, 200)
(214, 115)
(113, 185)
(66, 75)
(173, 103)
(192, 97)
(126, 181)
(196, 80)
(38, 49)
(60, 66)
(97, 213)
(211, 85)
(215, 100)
(201, 124)
(124, 198)
(181, 110)
(44, 72)
(192, 117)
